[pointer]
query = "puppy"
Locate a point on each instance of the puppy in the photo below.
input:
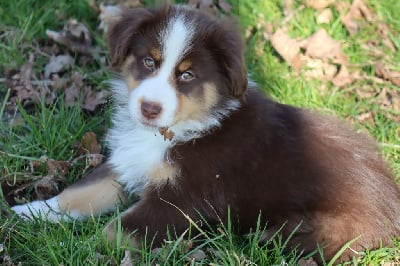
(192, 137)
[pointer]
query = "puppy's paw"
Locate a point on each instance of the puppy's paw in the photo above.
(41, 209)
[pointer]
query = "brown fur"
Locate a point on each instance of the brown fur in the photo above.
(286, 164)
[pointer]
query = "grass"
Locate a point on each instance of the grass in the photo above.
(33, 132)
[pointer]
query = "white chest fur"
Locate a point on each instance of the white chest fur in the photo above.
(135, 150)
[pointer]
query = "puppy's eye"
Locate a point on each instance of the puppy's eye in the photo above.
(187, 76)
(149, 63)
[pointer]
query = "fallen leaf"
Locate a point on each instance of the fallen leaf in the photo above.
(206, 6)
(127, 260)
(358, 10)
(307, 262)
(166, 133)
(95, 160)
(60, 168)
(342, 6)
(383, 31)
(366, 117)
(320, 45)
(288, 48)
(288, 7)
(108, 15)
(344, 77)
(78, 32)
(318, 4)
(198, 255)
(93, 98)
(225, 6)
(23, 85)
(72, 91)
(48, 185)
(319, 69)
(58, 64)
(389, 75)
(325, 16)
(90, 143)
(75, 36)
(366, 92)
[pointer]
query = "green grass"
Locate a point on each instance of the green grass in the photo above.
(33, 132)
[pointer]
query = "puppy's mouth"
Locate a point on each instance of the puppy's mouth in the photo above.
(149, 123)
(163, 130)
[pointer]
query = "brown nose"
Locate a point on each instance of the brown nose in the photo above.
(150, 110)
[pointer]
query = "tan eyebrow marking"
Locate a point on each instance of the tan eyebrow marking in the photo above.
(185, 65)
(156, 54)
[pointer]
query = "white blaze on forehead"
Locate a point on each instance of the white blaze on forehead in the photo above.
(175, 42)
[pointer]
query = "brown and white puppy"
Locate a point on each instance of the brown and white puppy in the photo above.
(191, 136)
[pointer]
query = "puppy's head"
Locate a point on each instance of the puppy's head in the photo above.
(183, 69)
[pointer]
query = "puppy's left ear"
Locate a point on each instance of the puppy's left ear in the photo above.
(122, 32)
(232, 52)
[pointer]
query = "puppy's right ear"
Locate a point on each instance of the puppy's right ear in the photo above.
(123, 30)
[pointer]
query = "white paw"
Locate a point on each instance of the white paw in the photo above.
(42, 209)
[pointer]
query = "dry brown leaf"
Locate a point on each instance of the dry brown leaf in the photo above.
(127, 260)
(198, 255)
(386, 74)
(288, 8)
(48, 185)
(385, 98)
(318, 4)
(168, 134)
(395, 118)
(225, 6)
(95, 160)
(321, 45)
(90, 143)
(358, 10)
(351, 25)
(207, 6)
(58, 64)
(78, 32)
(319, 69)
(72, 91)
(75, 36)
(88, 98)
(288, 48)
(366, 92)
(383, 31)
(93, 98)
(367, 117)
(308, 262)
(325, 16)
(23, 85)
(60, 168)
(344, 77)
(342, 6)
(108, 14)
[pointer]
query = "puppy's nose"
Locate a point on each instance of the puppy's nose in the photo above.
(150, 110)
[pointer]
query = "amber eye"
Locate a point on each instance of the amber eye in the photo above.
(149, 63)
(187, 76)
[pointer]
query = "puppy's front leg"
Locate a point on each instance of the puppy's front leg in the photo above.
(151, 218)
(97, 193)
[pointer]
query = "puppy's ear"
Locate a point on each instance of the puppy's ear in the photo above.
(232, 50)
(123, 30)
